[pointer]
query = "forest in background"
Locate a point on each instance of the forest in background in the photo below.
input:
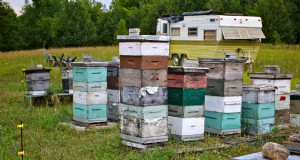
(75, 23)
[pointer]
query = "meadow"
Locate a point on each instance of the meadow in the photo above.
(44, 138)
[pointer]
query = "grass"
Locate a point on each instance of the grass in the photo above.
(44, 138)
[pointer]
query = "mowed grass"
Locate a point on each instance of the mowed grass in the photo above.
(44, 138)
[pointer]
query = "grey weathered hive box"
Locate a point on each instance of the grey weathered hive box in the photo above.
(223, 68)
(37, 79)
(259, 94)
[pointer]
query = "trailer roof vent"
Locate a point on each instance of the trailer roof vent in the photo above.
(230, 54)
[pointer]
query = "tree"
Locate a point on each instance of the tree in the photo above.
(277, 24)
(121, 29)
(8, 27)
(75, 26)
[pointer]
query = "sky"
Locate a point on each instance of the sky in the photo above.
(18, 4)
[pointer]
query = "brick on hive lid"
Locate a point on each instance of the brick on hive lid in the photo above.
(230, 54)
(272, 69)
(134, 31)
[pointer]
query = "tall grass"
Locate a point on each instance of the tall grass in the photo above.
(287, 57)
(44, 138)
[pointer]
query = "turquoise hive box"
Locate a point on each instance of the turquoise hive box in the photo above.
(222, 121)
(258, 111)
(89, 113)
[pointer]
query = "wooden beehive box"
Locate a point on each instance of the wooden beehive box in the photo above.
(259, 94)
(143, 78)
(113, 69)
(113, 95)
(88, 98)
(256, 127)
(37, 79)
(144, 127)
(281, 81)
(113, 111)
(187, 77)
(229, 104)
(220, 87)
(282, 117)
(282, 101)
(186, 111)
(186, 96)
(227, 69)
(89, 87)
(89, 71)
(143, 45)
(222, 121)
(258, 111)
(144, 62)
(145, 96)
(146, 112)
(186, 126)
(89, 113)
(113, 83)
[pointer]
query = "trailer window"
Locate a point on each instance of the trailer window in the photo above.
(175, 32)
(192, 32)
(165, 28)
(210, 35)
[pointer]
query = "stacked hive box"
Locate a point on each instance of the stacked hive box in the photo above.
(258, 109)
(272, 77)
(143, 78)
(89, 92)
(67, 80)
(186, 93)
(113, 91)
(295, 100)
(223, 100)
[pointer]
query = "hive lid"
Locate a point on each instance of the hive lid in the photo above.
(219, 60)
(113, 64)
(263, 75)
(36, 70)
(180, 69)
(295, 92)
(142, 38)
(258, 88)
(89, 64)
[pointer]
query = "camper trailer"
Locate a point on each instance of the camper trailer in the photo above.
(205, 34)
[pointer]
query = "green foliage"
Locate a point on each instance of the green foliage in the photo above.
(121, 29)
(65, 23)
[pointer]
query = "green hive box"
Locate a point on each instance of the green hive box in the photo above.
(262, 126)
(222, 121)
(89, 113)
(89, 74)
(186, 111)
(186, 96)
(258, 111)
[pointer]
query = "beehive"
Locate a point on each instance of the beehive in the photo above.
(223, 100)
(143, 92)
(113, 91)
(272, 77)
(186, 92)
(37, 80)
(258, 109)
(90, 92)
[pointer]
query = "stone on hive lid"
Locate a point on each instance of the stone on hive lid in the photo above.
(275, 151)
